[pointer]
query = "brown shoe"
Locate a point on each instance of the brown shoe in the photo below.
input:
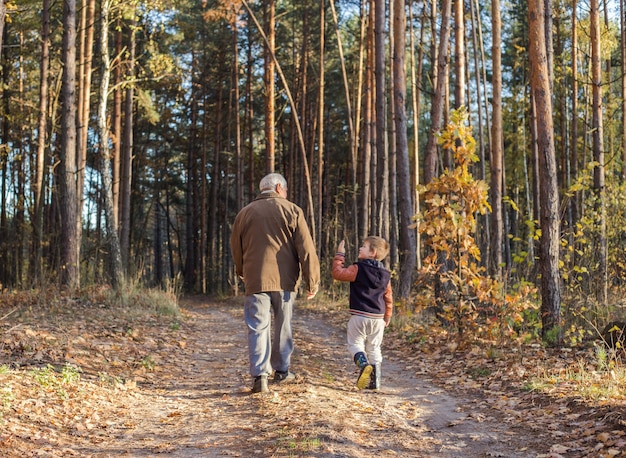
(260, 384)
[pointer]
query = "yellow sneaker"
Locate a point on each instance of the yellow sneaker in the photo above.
(364, 377)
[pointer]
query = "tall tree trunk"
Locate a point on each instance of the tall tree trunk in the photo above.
(214, 185)
(479, 62)
(239, 178)
(483, 80)
(407, 235)
(309, 120)
(549, 217)
(203, 201)
(547, 14)
(127, 153)
(39, 190)
(116, 125)
(238, 152)
(368, 130)
(70, 249)
(19, 218)
(622, 16)
(84, 94)
(439, 97)
(392, 183)
(250, 177)
(159, 274)
(497, 146)
(3, 13)
(382, 162)
(361, 101)
(4, 176)
(415, 77)
(193, 255)
(573, 156)
(320, 138)
(353, 120)
(459, 54)
(598, 145)
(115, 268)
(382, 177)
(560, 102)
(530, 188)
(270, 76)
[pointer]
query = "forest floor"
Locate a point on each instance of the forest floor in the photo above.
(90, 380)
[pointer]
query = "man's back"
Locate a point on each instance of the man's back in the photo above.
(270, 241)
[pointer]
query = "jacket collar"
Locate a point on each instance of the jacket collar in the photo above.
(374, 262)
(267, 195)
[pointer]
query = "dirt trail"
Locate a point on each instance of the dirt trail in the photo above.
(203, 407)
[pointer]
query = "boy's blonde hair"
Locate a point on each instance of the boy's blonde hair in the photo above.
(379, 244)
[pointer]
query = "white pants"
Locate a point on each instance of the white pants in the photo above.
(366, 335)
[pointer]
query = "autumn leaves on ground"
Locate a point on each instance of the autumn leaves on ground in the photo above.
(140, 375)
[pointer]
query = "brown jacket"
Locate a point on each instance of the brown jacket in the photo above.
(271, 243)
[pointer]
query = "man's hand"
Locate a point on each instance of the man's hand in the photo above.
(342, 247)
(311, 294)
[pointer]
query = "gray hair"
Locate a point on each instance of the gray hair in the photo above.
(269, 182)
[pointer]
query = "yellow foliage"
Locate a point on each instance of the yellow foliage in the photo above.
(448, 219)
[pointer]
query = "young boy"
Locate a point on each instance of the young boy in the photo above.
(371, 306)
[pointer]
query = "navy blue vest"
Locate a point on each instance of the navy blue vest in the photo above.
(368, 289)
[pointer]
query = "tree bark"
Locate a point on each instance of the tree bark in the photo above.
(251, 185)
(497, 146)
(84, 94)
(193, 214)
(360, 102)
(270, 76)
(321, 117)
(70, 249)
(439, 97)
(116, 125)
(3, 13)
(622, 16)
(549, 212)
(484, 235)
(459, 54)
(115, 268)
(127, 152)
(415, 77)
(597, 129)
(238, 152)
(367, 194)
(381, 219)
(18, 166)
(39, 189)
(391, 228)
(405, 202)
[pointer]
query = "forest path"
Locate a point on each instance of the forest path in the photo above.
(202, 406)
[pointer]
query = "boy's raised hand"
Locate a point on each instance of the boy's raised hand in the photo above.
(342, 247)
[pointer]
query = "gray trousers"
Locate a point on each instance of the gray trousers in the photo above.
(267, 354)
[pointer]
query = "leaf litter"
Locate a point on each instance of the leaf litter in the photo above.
(80, 378)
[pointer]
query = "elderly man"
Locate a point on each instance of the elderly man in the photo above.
(271, 247)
